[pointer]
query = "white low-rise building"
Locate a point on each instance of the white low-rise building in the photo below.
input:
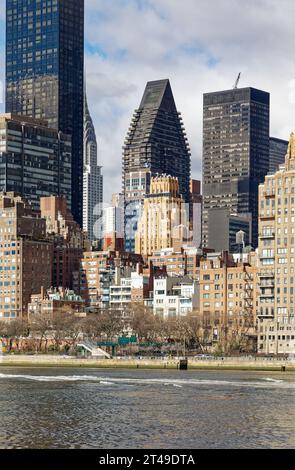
(174, 297)
(128, 289)
(120, 295)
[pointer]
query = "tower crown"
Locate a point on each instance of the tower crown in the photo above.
(165, 184)
(291, 147)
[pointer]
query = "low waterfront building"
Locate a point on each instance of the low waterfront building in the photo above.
(132, 289)
(96, 269)
(120, 295)
(99, 270)
(228, 294)
(55, 301)
(174, 297)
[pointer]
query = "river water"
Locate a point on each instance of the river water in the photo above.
(107, 409)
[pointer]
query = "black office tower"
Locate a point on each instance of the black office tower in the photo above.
(277, 153)
(235, 153)
(156, 144)
(44, 71)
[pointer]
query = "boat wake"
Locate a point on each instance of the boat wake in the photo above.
(273, 380)
(177, 383)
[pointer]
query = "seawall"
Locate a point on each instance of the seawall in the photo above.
(269, 364)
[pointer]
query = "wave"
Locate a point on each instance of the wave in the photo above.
(178, 383)
(57, 378)
(267, 379)
(173, 385)
(104, 382)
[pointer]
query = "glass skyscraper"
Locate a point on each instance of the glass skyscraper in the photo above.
(45, 71)
(235, 154)
(277, 153)
(156, 144)
(35, 160)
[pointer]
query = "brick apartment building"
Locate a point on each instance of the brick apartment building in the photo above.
(25, 255)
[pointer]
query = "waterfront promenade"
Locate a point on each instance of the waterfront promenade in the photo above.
(226, 363)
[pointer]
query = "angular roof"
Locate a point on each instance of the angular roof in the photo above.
(158, 94)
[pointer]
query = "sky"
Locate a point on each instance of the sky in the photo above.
(200, 45)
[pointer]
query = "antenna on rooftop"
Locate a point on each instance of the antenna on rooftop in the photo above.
(237, 81)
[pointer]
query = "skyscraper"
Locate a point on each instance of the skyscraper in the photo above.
(235, 153)
(45, 69)
(92, 177)
(35, 160)
(277, 259)
(156, 144)
(196, 200)
(277, 153)
(164, 222)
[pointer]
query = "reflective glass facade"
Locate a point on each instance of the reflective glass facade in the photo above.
(156, 144)
(235, 153)
(35, 160)
(44, 71)
(277, 153)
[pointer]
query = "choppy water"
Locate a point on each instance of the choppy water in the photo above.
(61, 408)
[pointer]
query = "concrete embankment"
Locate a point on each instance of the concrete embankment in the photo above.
(242, 363)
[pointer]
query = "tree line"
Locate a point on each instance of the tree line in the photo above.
(62, 331)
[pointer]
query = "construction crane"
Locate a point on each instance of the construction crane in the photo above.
(237, 81)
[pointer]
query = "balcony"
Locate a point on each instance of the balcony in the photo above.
(267, 214)
(265, 315)
(267, 296)
(264, 217)
(267, 284)
(266, 274)
(269, 194)
(267, 257)
(267, 236)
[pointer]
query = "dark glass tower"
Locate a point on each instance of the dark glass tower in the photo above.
(156, 144)
(277, 153)
(235, 153)
(44, 71)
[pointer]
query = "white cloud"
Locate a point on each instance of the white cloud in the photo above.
(182, 40)
(200, 45)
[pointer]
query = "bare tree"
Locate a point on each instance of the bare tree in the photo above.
(40, 327)
(16, 330)
(112, 323)
(62, 322)
(108, 323)
(73, 331)
(142, 322)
